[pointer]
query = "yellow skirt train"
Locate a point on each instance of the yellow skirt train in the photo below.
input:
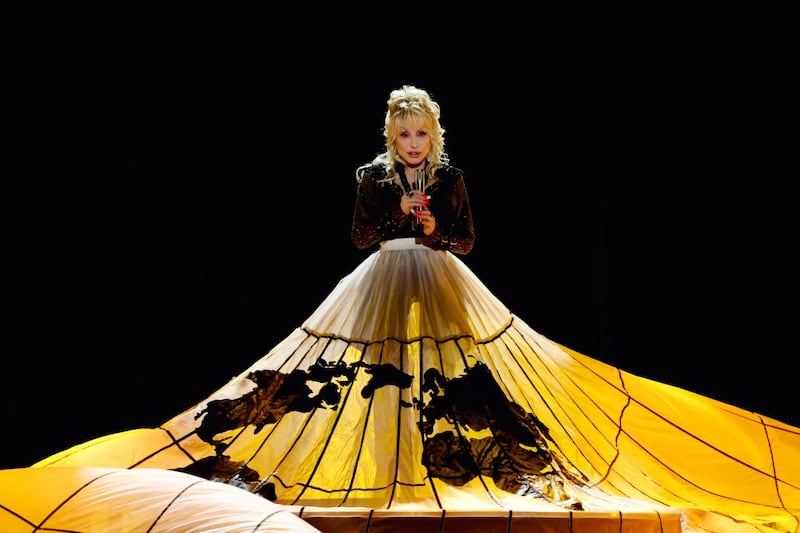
(412, 397)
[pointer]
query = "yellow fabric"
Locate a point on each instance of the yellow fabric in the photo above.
(412, 333)
(102, 500)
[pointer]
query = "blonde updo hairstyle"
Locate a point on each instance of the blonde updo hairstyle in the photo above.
(416, 108)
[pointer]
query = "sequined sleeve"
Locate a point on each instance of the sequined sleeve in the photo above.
(377, 216)
(450, 205)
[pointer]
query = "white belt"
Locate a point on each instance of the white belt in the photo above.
(406, 243)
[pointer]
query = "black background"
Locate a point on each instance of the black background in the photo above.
(183, 207)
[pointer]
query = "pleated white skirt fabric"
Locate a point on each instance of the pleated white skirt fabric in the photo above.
(111, 500)
(411, 388)
(406, 291)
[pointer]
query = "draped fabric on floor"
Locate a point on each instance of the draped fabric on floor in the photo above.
(104, 500)
(413, 396)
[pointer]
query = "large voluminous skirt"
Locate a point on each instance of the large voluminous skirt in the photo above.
(412, 391)
(91, 499)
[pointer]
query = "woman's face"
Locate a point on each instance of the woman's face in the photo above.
(412, 143)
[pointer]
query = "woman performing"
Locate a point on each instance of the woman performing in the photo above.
(412, 397)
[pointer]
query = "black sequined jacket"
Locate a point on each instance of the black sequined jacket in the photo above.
(378, 216)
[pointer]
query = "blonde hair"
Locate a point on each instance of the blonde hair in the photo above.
(414, 105)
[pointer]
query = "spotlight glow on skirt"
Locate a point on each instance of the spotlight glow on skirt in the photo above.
(411, 391)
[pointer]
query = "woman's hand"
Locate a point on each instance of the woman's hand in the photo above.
(417, 202)
(426, 218)
(413, 200)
